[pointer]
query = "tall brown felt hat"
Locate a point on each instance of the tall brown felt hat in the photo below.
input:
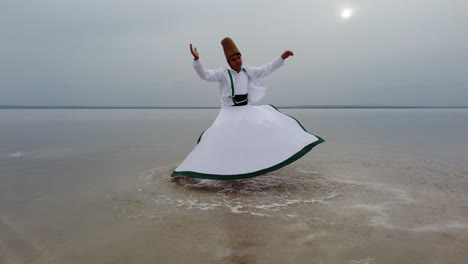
(229, 48)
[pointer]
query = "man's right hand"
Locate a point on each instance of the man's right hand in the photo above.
(194, 52)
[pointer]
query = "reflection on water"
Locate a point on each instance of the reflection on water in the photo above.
(92, 186)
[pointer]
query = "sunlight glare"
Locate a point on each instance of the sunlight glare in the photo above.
(346, 13)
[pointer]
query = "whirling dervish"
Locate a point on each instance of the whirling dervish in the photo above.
(245, 140)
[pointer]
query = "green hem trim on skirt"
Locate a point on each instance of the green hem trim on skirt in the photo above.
(290, 160)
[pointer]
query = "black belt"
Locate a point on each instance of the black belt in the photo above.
(240, 99)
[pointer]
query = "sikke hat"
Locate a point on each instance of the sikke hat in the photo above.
(229, 48)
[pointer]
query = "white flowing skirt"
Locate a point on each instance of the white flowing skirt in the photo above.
(247, 141)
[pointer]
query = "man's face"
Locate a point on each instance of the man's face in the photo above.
(236, 62)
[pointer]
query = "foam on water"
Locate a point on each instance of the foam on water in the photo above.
(46, 153)
(363, 261)
(16, 155)
(277, 194)
(382, 213)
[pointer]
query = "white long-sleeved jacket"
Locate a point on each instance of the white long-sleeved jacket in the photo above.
(244, 82)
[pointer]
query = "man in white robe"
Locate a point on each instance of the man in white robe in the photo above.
(245, 140)
(237, 80)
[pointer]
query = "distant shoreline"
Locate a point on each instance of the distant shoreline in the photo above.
(217, 107)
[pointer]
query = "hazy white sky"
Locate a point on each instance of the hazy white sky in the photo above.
(135, 52)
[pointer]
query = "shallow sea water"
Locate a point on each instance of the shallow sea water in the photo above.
(93, 186)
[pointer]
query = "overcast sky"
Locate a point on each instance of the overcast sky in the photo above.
(135, 52)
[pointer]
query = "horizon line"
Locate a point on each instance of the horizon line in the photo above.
(216, 107)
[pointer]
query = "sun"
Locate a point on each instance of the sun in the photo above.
(346, 13)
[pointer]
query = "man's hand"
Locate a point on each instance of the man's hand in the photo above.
(286, 54)
(194, 52)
